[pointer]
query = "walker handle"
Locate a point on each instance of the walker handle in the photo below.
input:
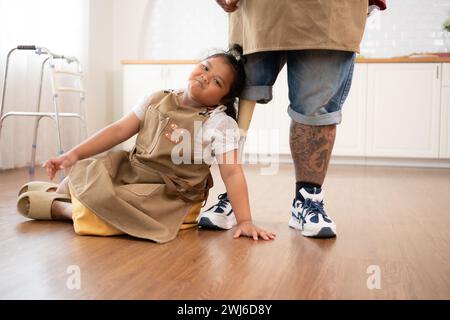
(26, 47)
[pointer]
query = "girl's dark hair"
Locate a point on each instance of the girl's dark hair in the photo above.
(234, 56)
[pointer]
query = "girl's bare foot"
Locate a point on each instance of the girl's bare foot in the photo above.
(61, 210)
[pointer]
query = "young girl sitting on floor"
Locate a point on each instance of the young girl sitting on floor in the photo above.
(144, 192)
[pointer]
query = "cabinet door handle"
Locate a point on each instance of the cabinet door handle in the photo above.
(437, 72)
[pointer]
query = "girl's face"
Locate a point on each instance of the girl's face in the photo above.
(210, 81)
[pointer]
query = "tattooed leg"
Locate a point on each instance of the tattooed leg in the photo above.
(311, 148)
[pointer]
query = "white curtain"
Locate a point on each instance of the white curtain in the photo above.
(57, 25)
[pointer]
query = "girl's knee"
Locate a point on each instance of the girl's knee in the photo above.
(63, 186)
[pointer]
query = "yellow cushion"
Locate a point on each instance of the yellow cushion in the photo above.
(85, 222)
(190, 221)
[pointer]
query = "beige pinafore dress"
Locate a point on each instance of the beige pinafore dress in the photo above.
(143, 193)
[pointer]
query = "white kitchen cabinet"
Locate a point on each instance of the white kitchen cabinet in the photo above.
(269, 129)
(445, 124)
(446, 74)
(351, 133)
(268, 133)
(403, 110)
(394, 110)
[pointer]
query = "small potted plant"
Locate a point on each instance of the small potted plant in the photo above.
(446, 33)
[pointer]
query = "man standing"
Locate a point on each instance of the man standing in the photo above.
(317, 39)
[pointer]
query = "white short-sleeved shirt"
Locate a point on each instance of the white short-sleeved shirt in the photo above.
(219, 134)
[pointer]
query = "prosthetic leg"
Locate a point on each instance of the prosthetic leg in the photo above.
(245, 113)
(220, 215)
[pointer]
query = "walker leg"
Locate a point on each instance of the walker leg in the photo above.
(36, 123)
(58, 129)
(33, 146)
(5, 78)
(1, 124)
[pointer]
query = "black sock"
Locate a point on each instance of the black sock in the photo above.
(303, 184)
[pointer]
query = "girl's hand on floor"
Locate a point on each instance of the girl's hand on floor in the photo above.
(248, 229)
(64, 161)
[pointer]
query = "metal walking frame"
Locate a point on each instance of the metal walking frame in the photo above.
(56, 91)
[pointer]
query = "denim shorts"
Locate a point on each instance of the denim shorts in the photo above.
(318, 80)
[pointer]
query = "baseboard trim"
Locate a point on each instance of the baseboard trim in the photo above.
(359, 161)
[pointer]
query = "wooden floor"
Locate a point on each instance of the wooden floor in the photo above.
(396, 219)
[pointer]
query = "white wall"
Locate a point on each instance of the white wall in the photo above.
(407, 26)
(164, 29)
(176, 29)
(126, 30)
(100, 73)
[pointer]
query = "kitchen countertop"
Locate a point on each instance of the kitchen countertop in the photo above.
(423, 58)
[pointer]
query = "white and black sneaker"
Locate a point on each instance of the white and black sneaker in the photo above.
(219, 216)
(308, 214)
